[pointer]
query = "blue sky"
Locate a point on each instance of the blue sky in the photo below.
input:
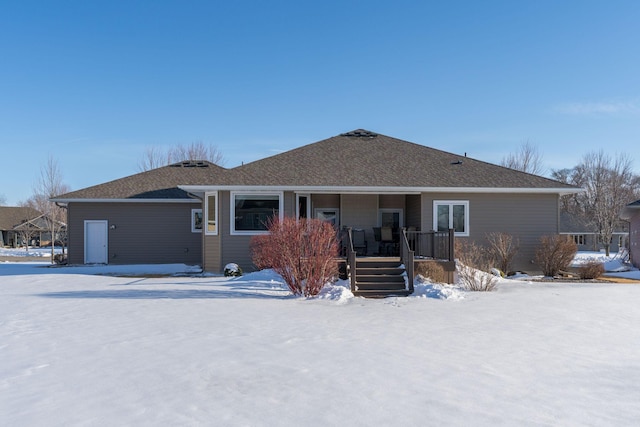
(96, 83)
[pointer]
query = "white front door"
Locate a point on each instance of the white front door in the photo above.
(95, 242)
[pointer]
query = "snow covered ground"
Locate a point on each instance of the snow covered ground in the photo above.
(78, 348)
(30, 252)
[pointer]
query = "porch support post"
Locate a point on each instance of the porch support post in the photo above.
(452, 244)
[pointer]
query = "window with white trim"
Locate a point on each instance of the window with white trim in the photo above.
(196, 220)
(211, 208)
(451, 214)
(251, 212)
(579, 239)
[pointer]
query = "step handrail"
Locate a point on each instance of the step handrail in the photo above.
(407, 256)
(351, 260)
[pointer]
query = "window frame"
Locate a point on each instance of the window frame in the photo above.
(307, 212)
(336, 211)
(579, 239)
(195, 229)
(399, 211)
(451, 204)
(206, 215)
(232, 211)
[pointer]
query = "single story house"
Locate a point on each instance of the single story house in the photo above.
(631, 213)
(10, 218)
(38, 231)
(582, 233)
(200, 213)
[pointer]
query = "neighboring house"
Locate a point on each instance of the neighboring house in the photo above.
(38, 231)
(631, 213)
(10, 218)
(143, 218)
(358, 179)
(581, 232)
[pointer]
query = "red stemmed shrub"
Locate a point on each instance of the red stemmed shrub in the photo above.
(302, 251)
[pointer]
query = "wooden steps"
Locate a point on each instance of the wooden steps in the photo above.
(380, 277)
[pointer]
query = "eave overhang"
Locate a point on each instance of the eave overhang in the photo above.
(201, 189)
(132, 200)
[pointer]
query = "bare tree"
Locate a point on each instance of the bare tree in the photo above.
(527, 159)
(27, 230)
(48, 186)
(609, 185)
(154, 157)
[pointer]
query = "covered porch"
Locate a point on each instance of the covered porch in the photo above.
(375, 219)
(381, 276)
(383, 238)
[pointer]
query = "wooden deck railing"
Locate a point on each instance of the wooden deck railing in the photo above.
(432, 244)
(351, 258)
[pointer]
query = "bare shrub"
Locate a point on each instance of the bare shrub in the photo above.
(502, 249)
(591, 270)
(302, 251)
(473, 265)
(260, 255)
(432, 270)
(554, 254)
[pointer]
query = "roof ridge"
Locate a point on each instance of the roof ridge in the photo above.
(360, 133)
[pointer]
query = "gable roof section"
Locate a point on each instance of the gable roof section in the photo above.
(11, 216)
(630, 210)
(156, 184)
(364, 159)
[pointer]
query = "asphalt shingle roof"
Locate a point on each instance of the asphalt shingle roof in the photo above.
(365, 159)
(354, 159)
(160, 183)
(10, 216)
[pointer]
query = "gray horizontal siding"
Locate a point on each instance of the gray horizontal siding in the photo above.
(412, 212)
(527, 217)
(233, 248)
(145, 233)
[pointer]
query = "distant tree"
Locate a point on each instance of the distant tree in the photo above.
(151, 159)
(527, 159)
(154, 157)
(569, 202)
(3, 200)
(26, 231)
(49, 185)
(609, 185)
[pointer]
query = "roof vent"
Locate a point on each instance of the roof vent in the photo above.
(191, 164)
(360, 133)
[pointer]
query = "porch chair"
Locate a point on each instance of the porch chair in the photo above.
(387, 243)
(359, 241)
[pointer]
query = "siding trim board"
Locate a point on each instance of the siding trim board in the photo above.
(133, 200)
